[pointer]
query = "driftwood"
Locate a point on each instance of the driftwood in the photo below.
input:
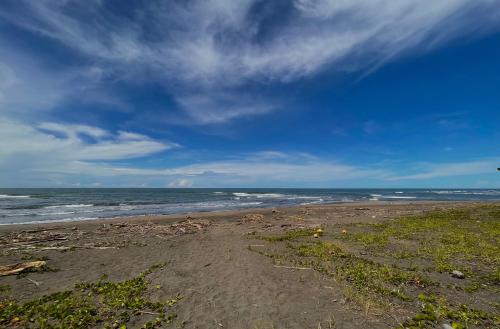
(15, 269)
(293, 267)
(60, 248)
(36, 283)
(40, 241)
(252, 218)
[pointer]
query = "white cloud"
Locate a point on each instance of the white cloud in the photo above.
(181, 183)
(29, 88)
(21, 141)
(275, 169)
(433, 170)
(218, 108)
(55, 154)
(205, 50)
(72, 131)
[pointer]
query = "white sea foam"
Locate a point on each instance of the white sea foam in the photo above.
(259, 195)
(397, 197)
(240, 194)
(399, 192)
(375, 195)
(312, 202)
(6, 196)
(218, 192)
(52, 221)
(19, 214)
(70, 206)
(296, 197)
(249, 203)
(56, 213)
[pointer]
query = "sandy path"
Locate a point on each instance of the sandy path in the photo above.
(228, 286)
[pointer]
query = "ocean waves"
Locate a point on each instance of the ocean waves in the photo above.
(7, 196)
(48, 205)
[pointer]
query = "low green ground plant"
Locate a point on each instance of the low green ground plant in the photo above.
(408, 261)
(104, 303)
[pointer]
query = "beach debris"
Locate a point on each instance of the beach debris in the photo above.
(184, 227)
(252, 218)
(36, 283)
(316, 235)
(458, 274)
(293, 267)
(344, 231)
(295, 218)
(59, 248)
(32, 237)
(14, 269)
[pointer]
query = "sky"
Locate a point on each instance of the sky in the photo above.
(248, 93)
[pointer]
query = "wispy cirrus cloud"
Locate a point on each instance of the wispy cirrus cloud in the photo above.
(436, 170)
(29, 87)
(205, 52)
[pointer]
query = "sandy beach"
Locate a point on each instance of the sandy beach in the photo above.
(236, 269)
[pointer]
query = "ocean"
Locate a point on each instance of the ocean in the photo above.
(23, 206)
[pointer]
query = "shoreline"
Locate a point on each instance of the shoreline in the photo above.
(224, 215)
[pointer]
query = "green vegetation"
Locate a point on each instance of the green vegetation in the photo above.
(436, 309)
(407, 263)
(4, 288)
(364, 275)
(105, 303)
(291, 235)
(467, 240)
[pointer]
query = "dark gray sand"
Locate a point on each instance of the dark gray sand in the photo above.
(223, 282)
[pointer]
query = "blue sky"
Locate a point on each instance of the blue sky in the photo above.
(219, 93)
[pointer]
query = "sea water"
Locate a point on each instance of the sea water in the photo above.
(19, 206)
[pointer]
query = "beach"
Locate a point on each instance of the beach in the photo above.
(287, 267)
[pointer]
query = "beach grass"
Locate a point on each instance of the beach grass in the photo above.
(406, 264)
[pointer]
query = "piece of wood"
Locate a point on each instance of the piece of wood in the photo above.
(24, 243)
(148, 312)
(36, 283)
(43, 229)
(62, 248)
(100, 248)
(15, 269)
(293, 267)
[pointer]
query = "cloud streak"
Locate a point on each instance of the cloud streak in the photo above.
(430, 170)
(63, 149)
(206, 52)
